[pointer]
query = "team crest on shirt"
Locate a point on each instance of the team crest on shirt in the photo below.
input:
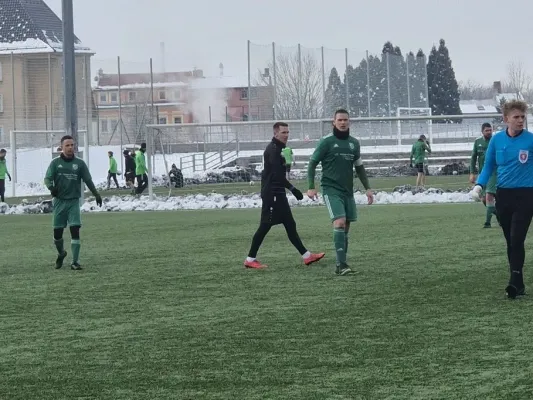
(75, 167)
(352, 146)
(523, 155)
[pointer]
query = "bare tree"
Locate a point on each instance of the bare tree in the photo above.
(519, 81)
(471, 90)
(299, 92)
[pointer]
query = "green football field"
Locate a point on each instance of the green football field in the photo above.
(165, 310)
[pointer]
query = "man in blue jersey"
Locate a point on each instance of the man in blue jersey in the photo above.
(509, 154)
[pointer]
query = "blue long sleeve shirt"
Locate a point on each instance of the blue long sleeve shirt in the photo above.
(512, 158)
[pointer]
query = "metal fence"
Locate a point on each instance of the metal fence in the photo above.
(313, 82)
(32, 95)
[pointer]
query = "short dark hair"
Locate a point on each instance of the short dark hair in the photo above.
(3, 151)
(143, 145)
(341, 111)
(485, 125)
(278, 124)
(66, 137)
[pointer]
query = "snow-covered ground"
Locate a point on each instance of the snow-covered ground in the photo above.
(32, 163)
(219, 201)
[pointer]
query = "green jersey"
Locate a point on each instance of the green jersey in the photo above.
(140, 163)
(478, 154)
(418, 152)
(338, 157)
(286, 153)
(66, 175)
(3, 169)
(113, 165)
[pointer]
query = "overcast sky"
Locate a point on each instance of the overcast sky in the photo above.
(481, 35)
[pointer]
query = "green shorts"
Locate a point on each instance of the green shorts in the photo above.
(66, 212)
(340, 205)
(491, 185)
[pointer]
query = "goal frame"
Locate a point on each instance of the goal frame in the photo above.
(13, 149)
(429, 121)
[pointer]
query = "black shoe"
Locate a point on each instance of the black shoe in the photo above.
(60, 258)
(486, 225)
(512, 291)
(76, 266)
(343, 269)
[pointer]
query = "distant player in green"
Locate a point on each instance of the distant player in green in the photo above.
(478, 157)
(418, 154)
(113, 170)
(288, 155)
(140, 169)
(3, 173)
(63, 179)
(339, 153)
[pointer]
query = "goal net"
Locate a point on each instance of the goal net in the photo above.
(411, 129)
(30, 154)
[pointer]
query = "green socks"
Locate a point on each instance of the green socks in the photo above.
(59, 246)
(491, 210)
(345, 242)
(339, 240)
(75, 245)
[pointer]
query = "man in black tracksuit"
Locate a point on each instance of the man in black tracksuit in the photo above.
(129, 174)
(276, 209)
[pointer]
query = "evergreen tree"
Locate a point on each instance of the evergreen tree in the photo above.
(396, 75)
(378, 87)
(442, 84)
(335, 93)
(356, 79)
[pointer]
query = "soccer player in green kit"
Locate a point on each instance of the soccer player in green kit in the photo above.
(339, 153)
(478, 156)
(63, 179)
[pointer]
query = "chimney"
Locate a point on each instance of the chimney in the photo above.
(497, 87)
(221, 68)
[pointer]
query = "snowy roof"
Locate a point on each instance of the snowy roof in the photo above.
(477, 108)
(142, 80)
(221, 82)
(30, 26)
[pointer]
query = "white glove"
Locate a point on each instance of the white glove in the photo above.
(475, 193)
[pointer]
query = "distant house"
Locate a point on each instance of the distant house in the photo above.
(31, 69)
(170, 101)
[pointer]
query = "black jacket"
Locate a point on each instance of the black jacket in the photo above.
(130, 164)
(273, 177)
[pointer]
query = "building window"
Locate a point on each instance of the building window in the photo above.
(162, 120)
(113, 125)
(481, 108)
(103, 126)
(177, 120)
(244, 93)
(162, 95)
(132, 96)
(245, 117)
(176, 94)
(103, 97)
(114, 97)
(1, 74)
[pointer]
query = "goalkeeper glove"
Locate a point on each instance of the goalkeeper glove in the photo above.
(296, 193)
(54, 191)
(98, 199)
(476, 193)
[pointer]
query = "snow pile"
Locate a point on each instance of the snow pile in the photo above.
(219, 201)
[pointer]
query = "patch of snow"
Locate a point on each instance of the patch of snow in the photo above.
(244, 201)
(141, 86)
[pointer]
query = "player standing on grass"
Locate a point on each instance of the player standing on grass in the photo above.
(275, 208)
(63, 179)
(141, 170)
(339, 153)
(3, 173)
(478, 157)
(418, 153)
(113, 170)
(509, 154)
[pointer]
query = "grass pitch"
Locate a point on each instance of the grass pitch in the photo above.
(165, 310)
